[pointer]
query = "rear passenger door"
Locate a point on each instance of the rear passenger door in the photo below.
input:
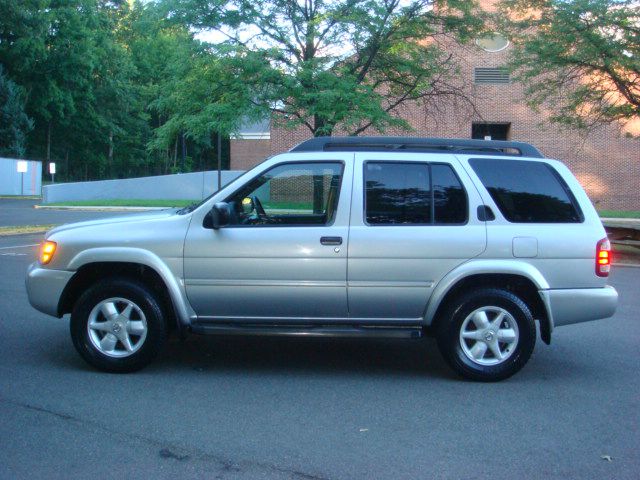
(412, 221)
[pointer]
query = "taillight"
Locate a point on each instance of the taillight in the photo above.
(603, 258)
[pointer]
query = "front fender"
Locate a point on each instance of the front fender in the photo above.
(141, 256)
(479, 267)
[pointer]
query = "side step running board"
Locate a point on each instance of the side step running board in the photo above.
(308, 330)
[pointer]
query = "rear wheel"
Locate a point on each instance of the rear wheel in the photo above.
(118, 325)
(487, 334)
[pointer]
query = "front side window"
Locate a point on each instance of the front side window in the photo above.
(413, 194)
(289, 194)
(527, 192)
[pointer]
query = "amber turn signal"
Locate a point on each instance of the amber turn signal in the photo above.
(46, 252)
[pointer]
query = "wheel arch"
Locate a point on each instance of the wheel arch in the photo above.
(95, 264)
(521, 278)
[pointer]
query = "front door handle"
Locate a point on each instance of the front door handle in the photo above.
(331, 240)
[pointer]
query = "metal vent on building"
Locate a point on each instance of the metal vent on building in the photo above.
(490, 76)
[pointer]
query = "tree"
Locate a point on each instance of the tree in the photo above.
(579, 58)
(14, 122)
(168, 60)
(344, 64)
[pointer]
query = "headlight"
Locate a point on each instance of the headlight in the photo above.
(46, 252)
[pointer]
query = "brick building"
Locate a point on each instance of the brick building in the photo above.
(606, 160)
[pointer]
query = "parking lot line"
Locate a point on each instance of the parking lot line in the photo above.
(20, 246)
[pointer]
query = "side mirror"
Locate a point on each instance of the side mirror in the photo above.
(220, 215)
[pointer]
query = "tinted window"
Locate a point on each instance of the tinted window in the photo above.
(527, 192)
(413, 194)
(449, 198)
(289, 194)
(397, 193)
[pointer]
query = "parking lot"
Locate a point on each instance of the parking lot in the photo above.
(216, 407)
(18, 212)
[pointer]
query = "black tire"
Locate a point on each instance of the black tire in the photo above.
(458, 351)
(119, 292)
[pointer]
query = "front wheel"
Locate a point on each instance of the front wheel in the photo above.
(118, 325)
(487, 334)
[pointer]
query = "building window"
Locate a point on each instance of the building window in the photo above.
(494, 42)
(251, 130)
(490, 131)
(491, 76)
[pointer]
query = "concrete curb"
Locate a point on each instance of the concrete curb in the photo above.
(628, 223)
(620, 220)
(99, 209)
(24, 230)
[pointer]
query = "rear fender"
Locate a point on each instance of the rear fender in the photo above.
(487, 267)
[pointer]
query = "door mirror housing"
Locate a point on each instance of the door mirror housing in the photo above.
(220, 215)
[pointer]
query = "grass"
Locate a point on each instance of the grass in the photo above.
(133, 202)
(20, 197)
(24, 229)
(123, 202)
(619, 213)
(288, 205)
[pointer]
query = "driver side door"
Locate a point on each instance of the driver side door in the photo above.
(283, 254)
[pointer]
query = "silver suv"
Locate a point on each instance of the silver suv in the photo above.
(470, 241)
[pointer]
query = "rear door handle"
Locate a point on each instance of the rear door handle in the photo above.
(331, 240)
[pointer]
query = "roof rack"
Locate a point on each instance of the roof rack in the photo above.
(416, 144)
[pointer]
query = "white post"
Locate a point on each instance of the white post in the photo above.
(52, 171)
(22, 167)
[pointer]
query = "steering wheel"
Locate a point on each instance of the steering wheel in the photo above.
(258, 206)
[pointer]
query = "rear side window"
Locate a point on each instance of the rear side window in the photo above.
(413, 194)
(527, 192)
(449, 198)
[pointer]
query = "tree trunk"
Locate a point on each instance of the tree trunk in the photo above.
(110, 155)
(321, 127)
(49, 142)
(184, 153)
(219, 155)
(175, 153)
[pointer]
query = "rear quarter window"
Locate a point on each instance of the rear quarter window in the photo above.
(527, 192)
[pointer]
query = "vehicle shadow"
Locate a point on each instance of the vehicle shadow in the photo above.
(305, 356)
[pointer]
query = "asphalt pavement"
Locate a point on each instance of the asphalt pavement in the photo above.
(281, 408)
(18, 211)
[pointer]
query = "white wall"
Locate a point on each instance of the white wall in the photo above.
(10, 179)
(183, 186)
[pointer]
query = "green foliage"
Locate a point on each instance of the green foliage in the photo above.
(578, 58)
(115, 88)
(619, 213)
(343, 64)
(89, 74)
(14, 122)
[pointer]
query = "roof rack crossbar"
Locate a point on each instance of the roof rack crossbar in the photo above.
(416, 144)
